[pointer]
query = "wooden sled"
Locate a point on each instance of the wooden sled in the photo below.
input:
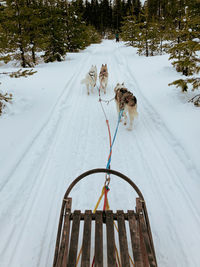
(142, 247)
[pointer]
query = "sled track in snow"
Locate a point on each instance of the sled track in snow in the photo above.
(31, 182)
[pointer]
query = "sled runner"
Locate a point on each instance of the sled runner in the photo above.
(137, 221)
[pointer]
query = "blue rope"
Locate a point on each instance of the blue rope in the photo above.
(119, 118)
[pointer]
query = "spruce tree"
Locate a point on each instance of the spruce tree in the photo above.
(53, 31)
(185, 54)
(117, 14)
(130, 31)
(15, 28)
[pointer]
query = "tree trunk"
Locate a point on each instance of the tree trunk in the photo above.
(23, 63)
(33, 53)
(147, 50)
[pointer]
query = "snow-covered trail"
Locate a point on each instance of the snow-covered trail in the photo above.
(74, 139)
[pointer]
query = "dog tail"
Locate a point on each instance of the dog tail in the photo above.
(135, 111)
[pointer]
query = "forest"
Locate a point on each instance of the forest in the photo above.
(32, 31)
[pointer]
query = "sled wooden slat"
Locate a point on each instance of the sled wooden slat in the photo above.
(110, 239)
(135, 239)
(142, 248)
(144, 237)
(122, 239)
(74, 239)
(85, 261)
(65, 234)
(98, 239)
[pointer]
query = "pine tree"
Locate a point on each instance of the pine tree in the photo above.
(53, 32)
(117, 14)
(185, 53)
(35, 27)
(130, 31)
(15, 30)
(21, 30)
(188, 62)
(75, 30)
(185, 57)
(105, 16)
(149, 39)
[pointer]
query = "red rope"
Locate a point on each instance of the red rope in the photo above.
(105, 198)
(110, 140)
(93, 262)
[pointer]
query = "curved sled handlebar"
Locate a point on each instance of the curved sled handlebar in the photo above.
(100, 170)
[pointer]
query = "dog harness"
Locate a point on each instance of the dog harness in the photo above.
(92, 75)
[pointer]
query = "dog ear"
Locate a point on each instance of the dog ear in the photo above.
(123, 83)
(117, 84)
(106, 65)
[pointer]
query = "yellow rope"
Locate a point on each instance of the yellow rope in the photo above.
(98, 202)
(128, 254)
(117, 256)
(79, 255)
(131, 260)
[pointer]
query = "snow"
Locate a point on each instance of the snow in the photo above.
(54, 131)
(142, 1)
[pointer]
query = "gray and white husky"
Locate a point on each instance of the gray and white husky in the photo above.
(125, 100)
(90, 79)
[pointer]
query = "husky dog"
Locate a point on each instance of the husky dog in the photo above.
(103, 77)
(90, 79)
(127, 101)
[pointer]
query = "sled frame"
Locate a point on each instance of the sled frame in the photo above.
(142, 246)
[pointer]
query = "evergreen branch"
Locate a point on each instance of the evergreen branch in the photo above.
(180, 83)
(195, 82)
(19, 73)
(7, 97)
(4, 98)
(195, 100)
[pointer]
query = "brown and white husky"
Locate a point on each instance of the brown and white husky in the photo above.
(90, 79)
(103, 77)
(125, 100)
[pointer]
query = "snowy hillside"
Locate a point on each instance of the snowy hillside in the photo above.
(54, 131)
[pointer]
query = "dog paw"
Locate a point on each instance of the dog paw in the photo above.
(130, 129)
